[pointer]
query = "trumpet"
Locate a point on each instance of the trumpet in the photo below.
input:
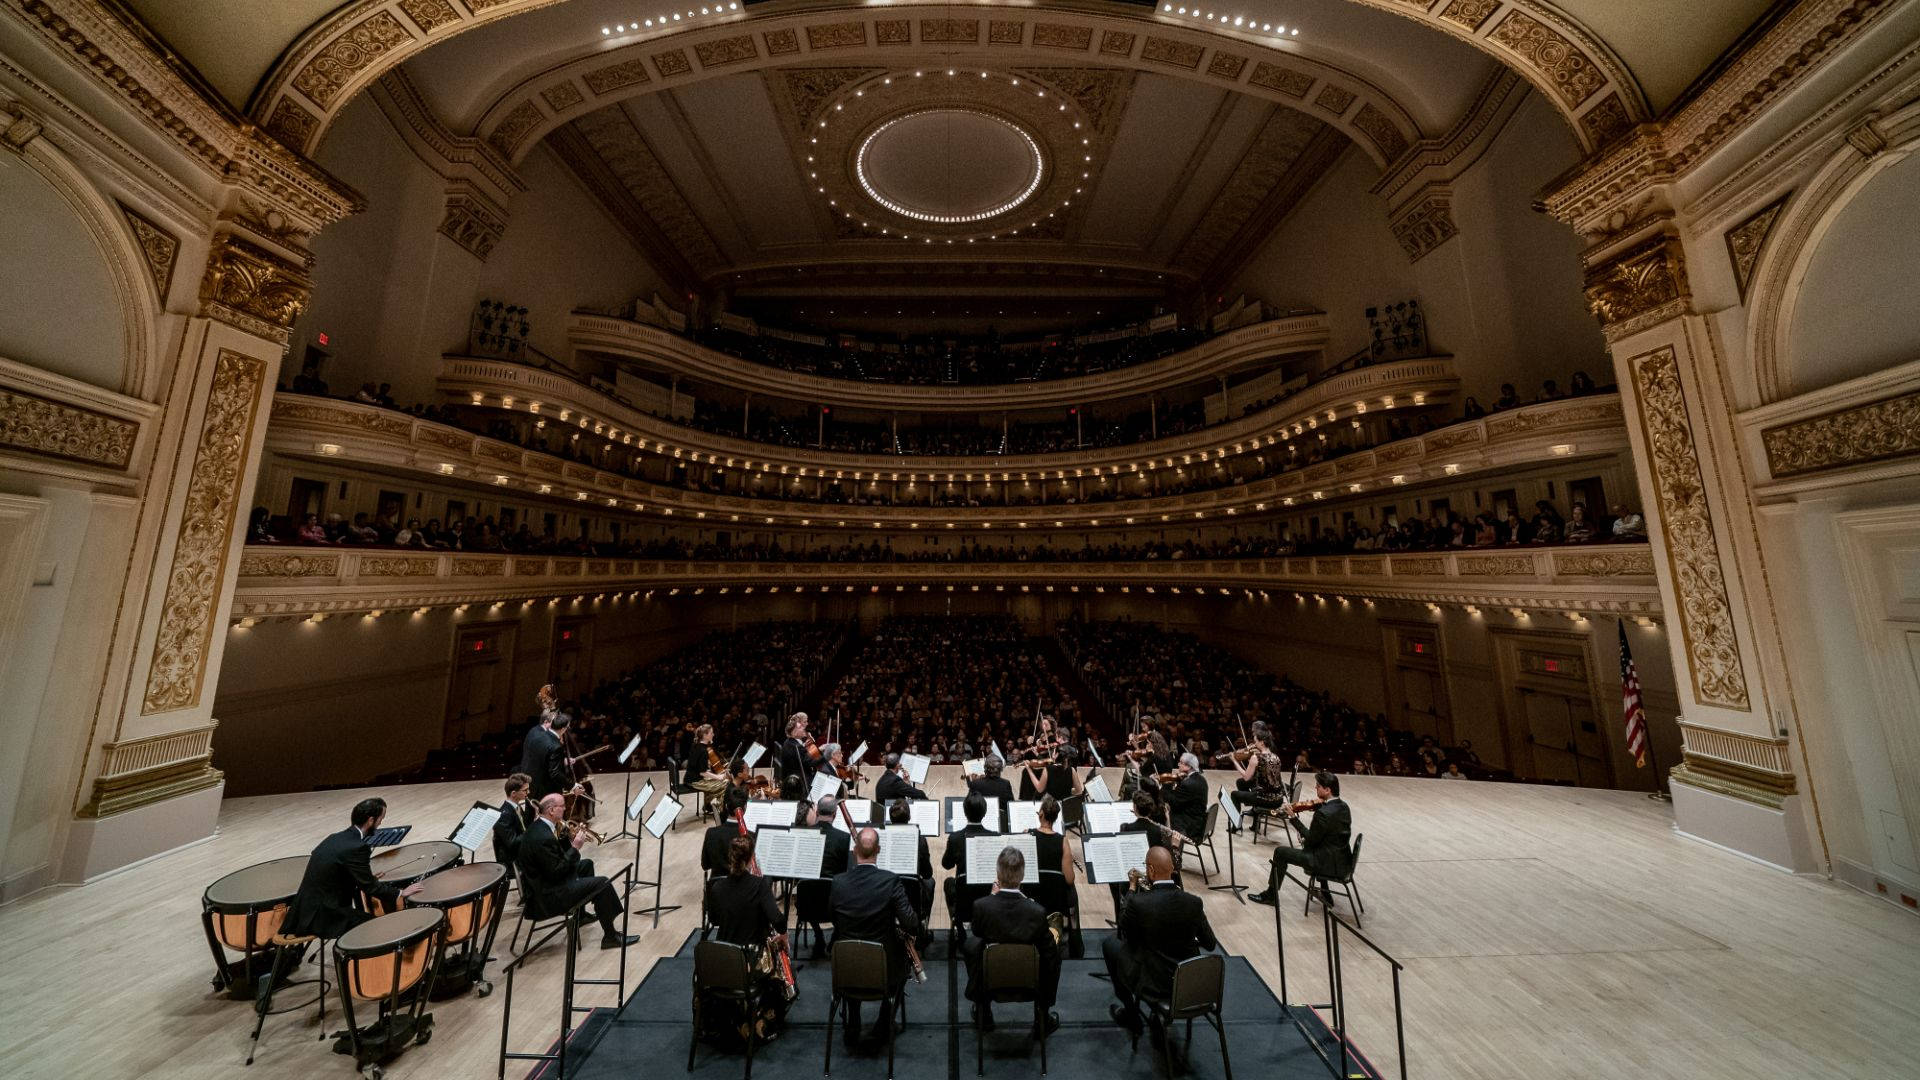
(567, 830)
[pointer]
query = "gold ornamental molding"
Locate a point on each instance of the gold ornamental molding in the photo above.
(257, 290)
(153, 769)
(1640, 286)
(1637, 563)
(40, 425)
(178, 668)
(1752, 768)
(1693, 557)
(1878, 431)
(1746, 240)
(158, 247)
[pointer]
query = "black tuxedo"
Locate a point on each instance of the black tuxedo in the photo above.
(960, 892)
(544, 758)
(992, 787)
(1159, 927)
(869, 904)
(1187, 806)
(812, 898)
(508, 831)
(1327, 850)
(792, 759)
(1008, 917)
(743, 911)
(713, 847)
(893, 786)
(553, 878)
(328, 903)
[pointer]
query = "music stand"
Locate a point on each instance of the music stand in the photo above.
(1233, 826)
(632, 813)
(626, 790)
(657, 824)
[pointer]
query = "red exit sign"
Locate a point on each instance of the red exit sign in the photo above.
(1553, 666)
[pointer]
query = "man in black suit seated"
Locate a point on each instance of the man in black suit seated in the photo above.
(544, 757)
(870, 904)
(812, 897)
(922, 896)
(1008, 917)
(1327, 850)
(515, 815)
(328, 903)
(1159, 926)
(893, 783)
(1187, 801)
(1144, 806)
(553, 876)
(992, 785)
(713, 847)
(974, 806)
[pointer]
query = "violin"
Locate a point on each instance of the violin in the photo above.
(813, 749)
(759, 787)
(1303, 806)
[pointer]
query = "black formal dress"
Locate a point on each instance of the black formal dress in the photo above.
(508, 831)
(960, 893)
(1159, 926)
(893, 786)
(1187, 806)
(870, 904)
(793, 760)
(328, 903)
(1009, 918)
(744, 912)
(714, 845)
(544, 759)
(553, 878)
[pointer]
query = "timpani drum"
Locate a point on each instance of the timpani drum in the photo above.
(241, 912)
(388, 963)
(408, 863)
(471, 897)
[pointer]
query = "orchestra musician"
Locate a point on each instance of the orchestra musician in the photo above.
(1157, 927)
(1187, 800)
(544, 756)
(798, 753)
(1006, 916)
(893, 783)
(812, 898)
(898, 814)
(338, 875)
(870, 904)
(992, 785)
(1158, 836)
(553, 876)
(1326, 851)
(974, 806)
(515, 815)
(1263, 781)
(712, 783)
(720, 837)
(1052, 854)
(741, 906)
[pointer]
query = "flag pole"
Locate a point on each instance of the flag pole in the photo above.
(1659, 792)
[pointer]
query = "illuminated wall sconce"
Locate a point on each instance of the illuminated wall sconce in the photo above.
(1562, 450)
(327, 449)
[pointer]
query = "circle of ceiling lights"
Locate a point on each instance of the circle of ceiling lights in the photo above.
(862, 167)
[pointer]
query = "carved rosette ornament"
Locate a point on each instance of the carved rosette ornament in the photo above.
(179, 665)
(1647, 280)
(252, 288)
(1706, 613)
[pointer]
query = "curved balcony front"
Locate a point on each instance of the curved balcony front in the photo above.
(324, 428)
(1222, 355)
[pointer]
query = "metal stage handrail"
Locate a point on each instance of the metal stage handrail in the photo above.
(1332, 923)
(567, 1008)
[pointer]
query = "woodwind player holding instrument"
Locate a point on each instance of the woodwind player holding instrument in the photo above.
(871, 904)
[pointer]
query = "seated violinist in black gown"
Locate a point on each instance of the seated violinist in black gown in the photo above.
(743, 912)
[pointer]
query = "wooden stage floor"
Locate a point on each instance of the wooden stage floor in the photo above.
(1546, 932)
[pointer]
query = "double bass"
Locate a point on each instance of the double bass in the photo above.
(580, 807)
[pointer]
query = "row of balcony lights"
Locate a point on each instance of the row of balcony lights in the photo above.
(1240, 22)
(666, 19)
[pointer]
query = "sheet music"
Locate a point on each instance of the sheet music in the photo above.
(861, 810)
(628, 752)
(1097, 790)
(916, 767)
(1022, 816)
(790, 853)
(1110, 857)
(389, 836)
(1091, 749)
(824, 784)
(640, 800)
(1103, 818)
(925, 816)
(957, 814)
(1227, 804)
(983, 857)
(770, 813)
(662, 817)
(754, 754)
(973, 767)
(900, 850)
(994, 745)
(476, 826)
(858, 753)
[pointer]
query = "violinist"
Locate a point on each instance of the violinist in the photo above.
(798, 754)
(1262, 782)
(1187, 799)
(992, 785)
(1326, 852)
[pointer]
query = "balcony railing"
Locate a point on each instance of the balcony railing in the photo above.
(299, 581)
(320, 427)
(1217, 356)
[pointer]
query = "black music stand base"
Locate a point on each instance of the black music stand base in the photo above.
(626, 800)
(1233, 881)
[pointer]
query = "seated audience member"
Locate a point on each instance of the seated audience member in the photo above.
(311, 531)
(260, 527)
(1579, 528)
(1008, 917)
(1628, 524)
(1509, 398)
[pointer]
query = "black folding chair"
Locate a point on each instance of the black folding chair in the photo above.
(1008, 972)
(1205, 840)
(722, 970)
(860, 974)
(1345, 885)
(1199, 984)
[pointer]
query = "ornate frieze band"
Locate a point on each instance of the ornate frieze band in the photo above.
(187, 616)
(140, 772)
(1877, 431)
(1643, 279)
(250, 287)
(1706, 615)
(56, 429)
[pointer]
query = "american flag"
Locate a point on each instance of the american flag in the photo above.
(1630, 703)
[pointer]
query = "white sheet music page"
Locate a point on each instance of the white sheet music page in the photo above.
(824, 784)
(1110, 857)
(773, 848)
(983, 857)
(925, 816)
(770, 813)
(1231, 808)
(662, 817)
(858, 753)
(809, 851)
(628, 752)
(958, 819)
(1107, 817)
(753, 755)
(995, 747)
(862, 811)
(1022, 816)
(476, 826)
(1097, 790)
(916, 767)
(640, 800)
(900, 850)
(973, 767)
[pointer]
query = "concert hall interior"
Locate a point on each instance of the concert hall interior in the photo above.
(579, 527)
